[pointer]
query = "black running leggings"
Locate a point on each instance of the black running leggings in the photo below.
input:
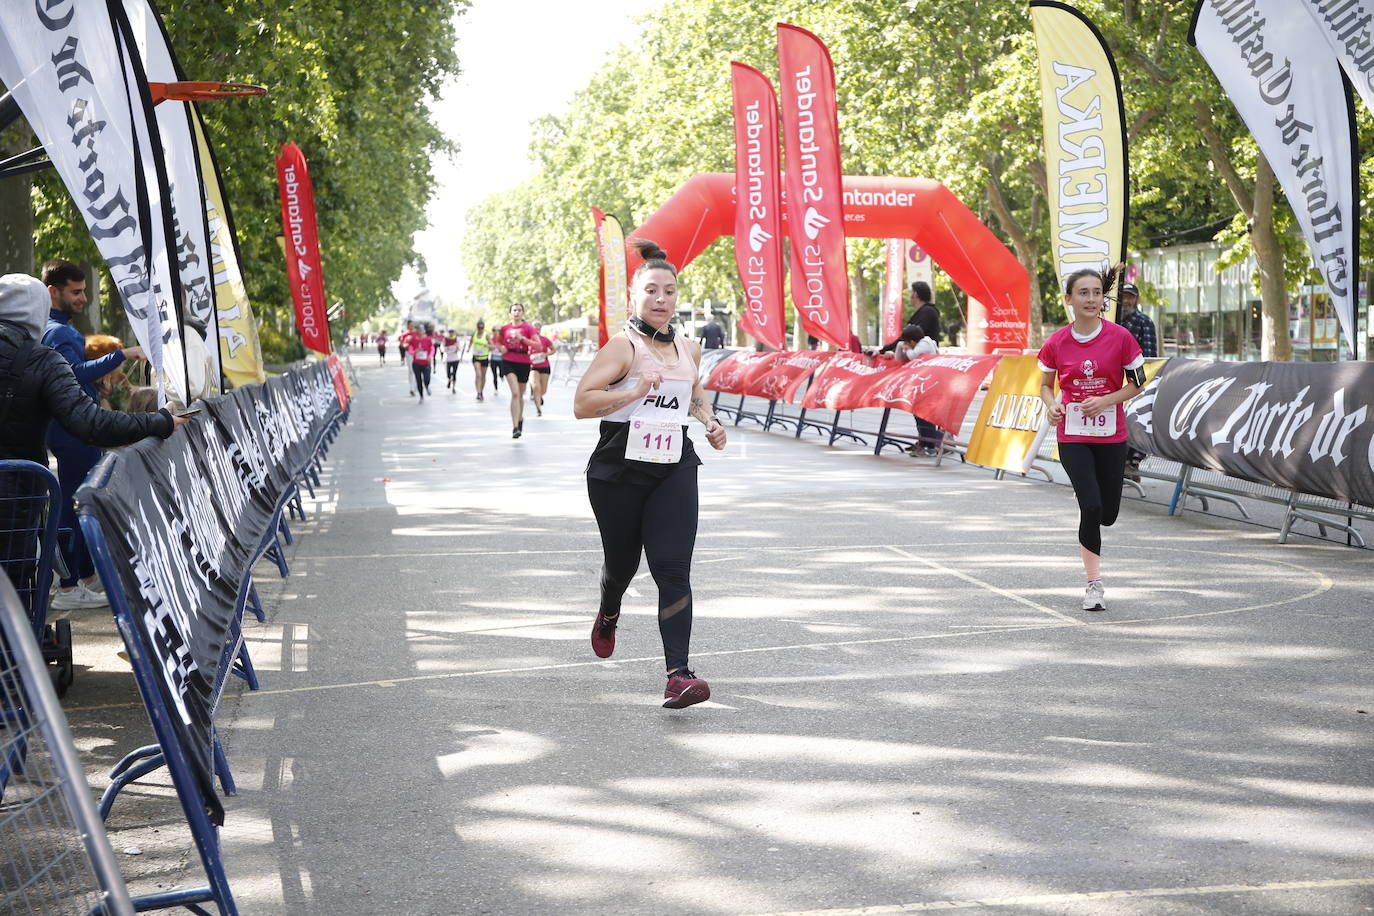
(452, 369)
(421, 371)
(661, 520)
(1095, 469)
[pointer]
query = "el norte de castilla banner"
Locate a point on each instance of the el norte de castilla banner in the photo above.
(1277, 67)
(84, 93)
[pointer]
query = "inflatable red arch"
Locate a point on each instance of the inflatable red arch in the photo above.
(703, 210)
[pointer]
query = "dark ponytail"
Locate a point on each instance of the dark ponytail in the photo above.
(1108, 278)
(655, 258)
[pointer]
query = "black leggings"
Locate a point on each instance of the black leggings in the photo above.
(661, 520)
(1095, 469)
(421, 371)
(452, 369)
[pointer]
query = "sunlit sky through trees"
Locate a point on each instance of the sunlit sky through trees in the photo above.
(521, 59)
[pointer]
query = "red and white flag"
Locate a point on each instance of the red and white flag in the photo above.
(303, 268)
(758, 206)
(894, 287)
(815, 205)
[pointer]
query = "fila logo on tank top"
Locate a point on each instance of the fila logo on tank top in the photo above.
(656, 420)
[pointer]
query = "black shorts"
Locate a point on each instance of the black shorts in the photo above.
(544, 369)
(480, 360)
(521, 371)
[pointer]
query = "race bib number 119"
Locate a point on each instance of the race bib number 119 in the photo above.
(1075, 424)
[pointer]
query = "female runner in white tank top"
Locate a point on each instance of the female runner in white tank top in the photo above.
(642, 476)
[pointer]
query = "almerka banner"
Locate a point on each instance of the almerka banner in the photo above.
(240, 353)
(187, 192)
(894, 289)
(758, 207)
(303, 268)
(1302, 426)
(1085, 139)
(183, 519)
(614, 307)
(85, 97)
(1275, 64)
(1348, 26)
(815, 217)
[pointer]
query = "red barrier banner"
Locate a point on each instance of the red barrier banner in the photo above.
(935, 388)
(336, 375)
(894, 288)
(841, 380)
(811, 134)
(729, 376)
(758, 206)
(302, 248)
(780, 381)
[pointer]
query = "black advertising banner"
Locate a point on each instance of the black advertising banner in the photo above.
(184, 519)
(1301, 426)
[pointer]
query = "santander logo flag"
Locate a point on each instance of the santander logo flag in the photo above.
(811, 135)
(758, 206)
(302, 248)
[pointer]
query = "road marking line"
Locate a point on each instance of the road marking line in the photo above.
(1043, 899)
(1324, 584)
(949, 571)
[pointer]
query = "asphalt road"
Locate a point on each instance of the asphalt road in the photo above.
(909, 710)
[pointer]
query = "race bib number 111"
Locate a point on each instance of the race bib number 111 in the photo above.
(654, 441)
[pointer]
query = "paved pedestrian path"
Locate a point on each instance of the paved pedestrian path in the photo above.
(909, 711)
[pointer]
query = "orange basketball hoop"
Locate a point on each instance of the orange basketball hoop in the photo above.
(201, 91)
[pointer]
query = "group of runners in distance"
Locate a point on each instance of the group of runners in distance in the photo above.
(643, 386)
(517, 351)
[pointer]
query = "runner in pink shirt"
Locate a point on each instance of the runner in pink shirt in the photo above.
(1098, 367)
(540, 351)
(422, 360)
(514, 340)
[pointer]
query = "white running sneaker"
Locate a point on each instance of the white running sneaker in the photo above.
(76, 598)
(1095, 599)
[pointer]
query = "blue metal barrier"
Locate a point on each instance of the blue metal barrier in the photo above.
(172, 754)
(30, 498)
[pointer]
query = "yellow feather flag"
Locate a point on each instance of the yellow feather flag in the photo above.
(240, 354)
(1085, 140)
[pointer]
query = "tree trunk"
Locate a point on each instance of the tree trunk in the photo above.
(16, 205)
(1275, 343)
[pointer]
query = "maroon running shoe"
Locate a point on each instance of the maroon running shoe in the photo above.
(684, 689)
(603, 635)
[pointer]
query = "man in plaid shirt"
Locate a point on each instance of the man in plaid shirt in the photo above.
(1143, 330)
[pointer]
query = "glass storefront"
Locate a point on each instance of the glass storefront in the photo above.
(1206, 313)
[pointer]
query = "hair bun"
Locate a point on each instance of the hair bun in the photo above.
(649, 250)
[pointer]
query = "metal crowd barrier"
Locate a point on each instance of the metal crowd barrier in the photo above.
(1202, 486)
(30, 499)
(54, 854)
(168, 751)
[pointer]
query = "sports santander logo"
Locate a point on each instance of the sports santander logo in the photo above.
(813, 223)
(758, 237)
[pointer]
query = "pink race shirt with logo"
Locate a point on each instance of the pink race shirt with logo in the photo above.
(422, 350)
(1089, 369)
(515, 338)
(541, 358)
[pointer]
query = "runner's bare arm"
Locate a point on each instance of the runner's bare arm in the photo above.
(1054, 411)
(608, 366)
